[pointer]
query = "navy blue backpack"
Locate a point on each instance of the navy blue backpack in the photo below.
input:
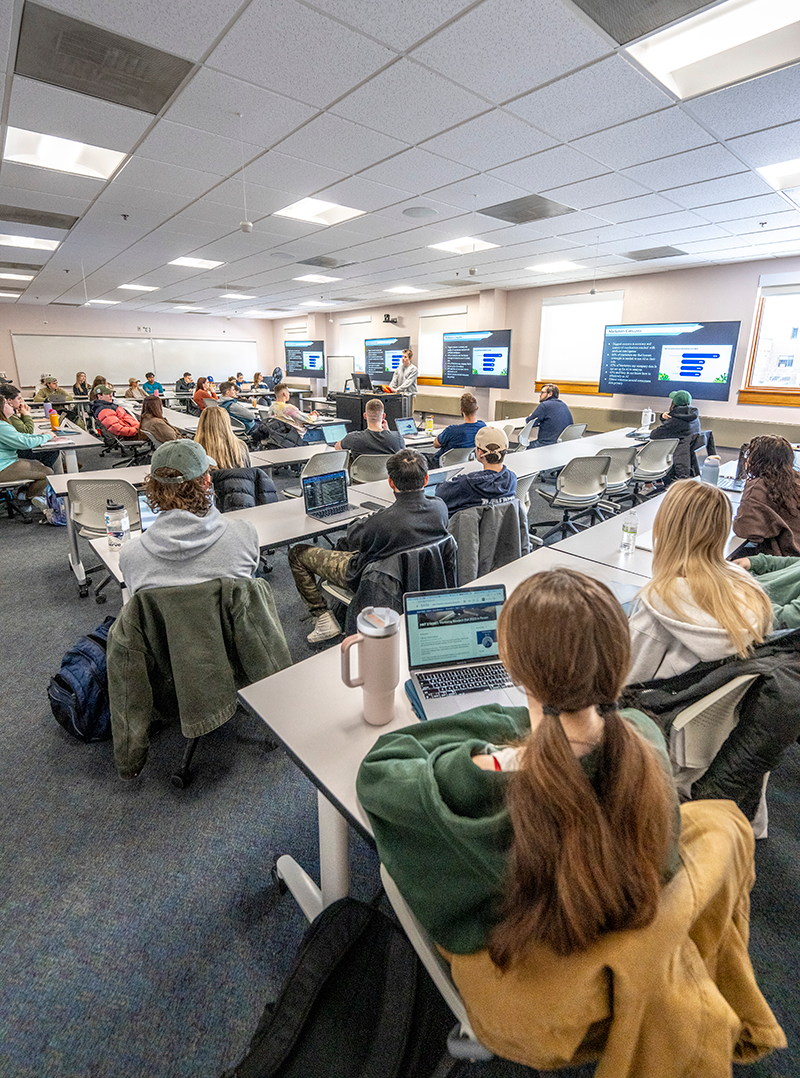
(79, 691)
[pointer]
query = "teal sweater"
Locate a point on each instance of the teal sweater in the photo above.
(780, 579)
(441, 824)
(11, 440)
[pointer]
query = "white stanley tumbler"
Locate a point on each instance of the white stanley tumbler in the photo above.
(378, 640)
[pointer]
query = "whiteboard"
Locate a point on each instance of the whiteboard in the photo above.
(339, 368)
(121, 358)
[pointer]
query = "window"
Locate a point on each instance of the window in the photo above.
(350, 340)
(571, 338)
(429, 344)
(295, 332)
(773, 374)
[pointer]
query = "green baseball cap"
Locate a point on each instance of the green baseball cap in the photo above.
(681, 397)
(188, 458)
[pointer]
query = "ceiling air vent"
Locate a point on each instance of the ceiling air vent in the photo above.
(626, 20)
(18, 216)
(324, 262)
(19, 267)
(61, 303)
(61, 51)
(520, 211)
(650, 253)
(348, 299)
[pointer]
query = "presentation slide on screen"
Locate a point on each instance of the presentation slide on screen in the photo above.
(453, 630)
(384, 355)
(654, 360)
(476, 358)
(306, 358)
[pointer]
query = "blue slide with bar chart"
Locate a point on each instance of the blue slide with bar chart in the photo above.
(476, 358)
(653, 360)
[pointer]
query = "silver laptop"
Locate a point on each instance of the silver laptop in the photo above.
(408, 428)
(452, 650)
(334, 432)
(325, 497)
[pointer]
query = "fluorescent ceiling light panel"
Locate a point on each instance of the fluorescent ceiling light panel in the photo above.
(104, 302)
(316, 278)
(405, 289)
(792, 196)
(9, 295)
(236, 295)
(61, 154)
(138, 287)
(782, 176)
(16, 276)
(196, 263)
(556, 267)
(310, 303)
(187, 307)
(318, 212)
(465, 246)
(28, 241)
(735, 40)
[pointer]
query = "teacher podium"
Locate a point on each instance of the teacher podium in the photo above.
(351, 406)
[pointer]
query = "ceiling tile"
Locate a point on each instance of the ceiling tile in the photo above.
(769, 147)
(362, 194)
(318, 58)
(478, 191)
(48, 181)
(298, 178)
(416, 170)
(36, 200)
(596, 192)
(602, 95)
(50, 110)
(649, 137)
(490, 140)
(633, 209)
(186, 29)
(444, 210)
(175, 144)
(552, 168)
(119, 199)
(140, 172)
(429, 103)
(763, 102)
(537, 41)
(720, 190)
(666, 222)
(744, 207)
(763, 223)
(260, 200)
(212, 100)
(417, 19)
(684, 168)
(337, 143)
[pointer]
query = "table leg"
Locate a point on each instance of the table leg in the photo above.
(333, 863)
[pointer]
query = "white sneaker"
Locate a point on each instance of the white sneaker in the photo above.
(39, 501)
(325, 628)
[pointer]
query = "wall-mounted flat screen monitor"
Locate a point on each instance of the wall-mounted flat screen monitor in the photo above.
(653, 360)
(305, 358)
(477, 358)
(384, 355)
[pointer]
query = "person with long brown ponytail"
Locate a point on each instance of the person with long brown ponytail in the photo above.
(557, 822)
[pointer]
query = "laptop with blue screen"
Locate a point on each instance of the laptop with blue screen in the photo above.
(334, 432)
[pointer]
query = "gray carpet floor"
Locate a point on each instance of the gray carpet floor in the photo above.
(140, 933)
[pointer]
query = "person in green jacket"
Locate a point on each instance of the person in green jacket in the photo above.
(558, 822)
(780, 579)
(50, 387)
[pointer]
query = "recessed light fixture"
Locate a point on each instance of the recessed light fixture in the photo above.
(236, 295)
(310, 303)
(103, 302)
(138, 287)
(316, 278)
(556, 267)
(9, 295)
(735, 40)
(783, 175)
(318, 212)
(405, 289)
(465, 246)
(187, 307)
(196, 263)
(30, 242)
(61, 154)
(16, 276)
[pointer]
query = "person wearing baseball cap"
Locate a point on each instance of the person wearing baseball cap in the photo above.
(682, 421)
(491, 484)
(189, 541)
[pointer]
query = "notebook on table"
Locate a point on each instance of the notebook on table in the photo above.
(333, 432)
(452, 650)
(325, 497)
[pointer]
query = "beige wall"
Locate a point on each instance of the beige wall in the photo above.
(85, 322)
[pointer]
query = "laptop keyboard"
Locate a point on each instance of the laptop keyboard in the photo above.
(463, 679)
(332, 510)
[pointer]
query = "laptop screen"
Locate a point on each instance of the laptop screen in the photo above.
(334, 432)
(323, 491)
(444, 628)
(146, 514)
(406, 427)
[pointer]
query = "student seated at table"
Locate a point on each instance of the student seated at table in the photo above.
(554, 823)
(215, 435)
(780, 579)
(460, 435)
(552, 417)
(152, 421)
(151, 386)
(258, 380)
(203, 392)
(229, 400)
(477, 488)
(190, 540)
(116, 419)
(769, 512)
(697, 607)
(12, 440)
(681, 421)
(184, 385)
(49, 388)
(376, 437)
(81, 387)
(99, 380)
(22, 421)
(135, 390)
(240, 380)
(300, 421)
(412, 521)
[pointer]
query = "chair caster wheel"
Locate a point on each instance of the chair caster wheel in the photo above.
(179, 780)
(83, 591)
(100, 599)
(279, 882)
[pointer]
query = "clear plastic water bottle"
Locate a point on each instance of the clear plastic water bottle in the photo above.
(118, 526)
(630, 529)
(710, 472)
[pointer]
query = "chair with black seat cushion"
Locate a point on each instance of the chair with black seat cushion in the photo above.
(579, 487)
(140, 451)
(489, 536)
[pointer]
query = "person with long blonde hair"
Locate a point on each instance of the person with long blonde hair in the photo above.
(215, 435)
(697, 607)
(555, 822)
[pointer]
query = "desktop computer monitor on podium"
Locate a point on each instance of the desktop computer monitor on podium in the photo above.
(362, 381)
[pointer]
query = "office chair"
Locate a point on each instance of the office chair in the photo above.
(620, 472)
(489, 537)
(87, 505)
(653, 461)
(7, 490)
(459, 455)
(139, 450)
(525, 436)
(369, 467)
(320, 464)
(572, 432)
(524, 483)
(579, 487)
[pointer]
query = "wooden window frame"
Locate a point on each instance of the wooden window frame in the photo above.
(591, 389)
(777, 398)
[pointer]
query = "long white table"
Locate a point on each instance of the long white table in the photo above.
(78, 438)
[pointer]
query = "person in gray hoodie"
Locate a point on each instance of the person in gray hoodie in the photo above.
(190, 541)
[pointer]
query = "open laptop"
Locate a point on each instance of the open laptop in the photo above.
(408, 428)
(334, 432)
(452, 650)
(325, 497)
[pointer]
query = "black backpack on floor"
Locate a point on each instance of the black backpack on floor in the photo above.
(79, 691)
(357, 1004)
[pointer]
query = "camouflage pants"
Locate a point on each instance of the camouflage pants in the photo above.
(307, 562)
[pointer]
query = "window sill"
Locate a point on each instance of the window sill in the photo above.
(588, 388)
(774, 397)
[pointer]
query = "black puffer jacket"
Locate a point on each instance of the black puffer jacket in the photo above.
(242, 488)
(769, 716)
(683, 423)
